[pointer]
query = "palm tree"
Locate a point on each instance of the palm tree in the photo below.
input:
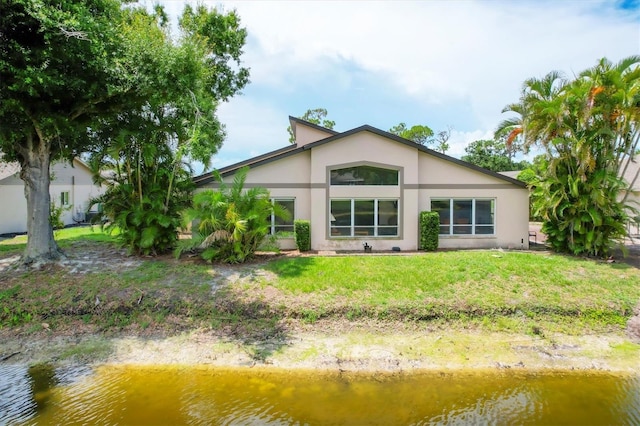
(589, 130)
(230, 222)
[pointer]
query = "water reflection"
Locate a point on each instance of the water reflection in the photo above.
(200, 395)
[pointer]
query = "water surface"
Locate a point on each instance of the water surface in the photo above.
(134, 395)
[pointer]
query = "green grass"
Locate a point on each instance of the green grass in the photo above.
(463, 284)
(528, 292)
(64, 237)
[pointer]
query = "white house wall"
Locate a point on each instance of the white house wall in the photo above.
(75, 180)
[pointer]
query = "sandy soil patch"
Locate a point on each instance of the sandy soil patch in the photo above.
(359, 348)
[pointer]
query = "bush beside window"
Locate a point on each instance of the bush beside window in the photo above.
(302, 231)
(429, 230)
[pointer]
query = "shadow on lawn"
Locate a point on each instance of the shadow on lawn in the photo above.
(253, 324)
(292, 267)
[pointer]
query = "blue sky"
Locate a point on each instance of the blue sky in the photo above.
(436, 63)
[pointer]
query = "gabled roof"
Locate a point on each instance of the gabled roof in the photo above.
(294, 149)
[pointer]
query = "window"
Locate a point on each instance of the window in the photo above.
(364, 175)
(364, 217)
(64, 198)
(278, 224)
(465, 216)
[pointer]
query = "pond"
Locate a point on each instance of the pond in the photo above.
(171, 395)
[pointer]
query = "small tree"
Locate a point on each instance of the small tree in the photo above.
(419, 134)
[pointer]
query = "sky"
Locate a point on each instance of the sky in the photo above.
(438, 63)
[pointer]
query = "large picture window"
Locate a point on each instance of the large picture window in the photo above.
(459, 216)
(364, 217)
(364, 175)
(279, 224)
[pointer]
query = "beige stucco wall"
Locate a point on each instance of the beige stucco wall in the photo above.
(284, 178)
(305, 177)
(306, 135)
(75, 180)
(443, 179)
(359, 149)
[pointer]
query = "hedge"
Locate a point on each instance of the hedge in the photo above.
(302, 232)
(429, 230)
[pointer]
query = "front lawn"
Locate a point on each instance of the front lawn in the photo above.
(461, 284)
(100, 288)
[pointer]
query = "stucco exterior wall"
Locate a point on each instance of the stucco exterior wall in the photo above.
(511, 222)
(364, 148)
(443, 179)
(305, 176)
(306, 135)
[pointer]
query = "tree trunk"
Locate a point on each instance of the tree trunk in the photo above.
(41, 246)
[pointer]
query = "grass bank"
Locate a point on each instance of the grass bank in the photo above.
(99, 288)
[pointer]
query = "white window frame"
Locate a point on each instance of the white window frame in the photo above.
(375, 225)
(473, 224)
(64, 198)
(272, 225)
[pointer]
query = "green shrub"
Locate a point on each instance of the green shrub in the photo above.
(232, 221)
(55, 215)
(302, 231)
(429, 230)
(143, 203)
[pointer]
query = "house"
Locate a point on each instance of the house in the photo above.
(71, 186)
(366, 185)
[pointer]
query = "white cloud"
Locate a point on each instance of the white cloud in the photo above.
(459, 140)
(264, 131)
(466, 56)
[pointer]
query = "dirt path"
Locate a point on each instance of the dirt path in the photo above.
(360, 348)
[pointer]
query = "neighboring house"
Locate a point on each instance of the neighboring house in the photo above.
(368, 185)
(70, 186)
(632, 175)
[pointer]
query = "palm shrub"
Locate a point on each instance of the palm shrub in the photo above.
(230, 223)
(579, 215)
(146, 192)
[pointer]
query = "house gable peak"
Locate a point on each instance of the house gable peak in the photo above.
(305, 132)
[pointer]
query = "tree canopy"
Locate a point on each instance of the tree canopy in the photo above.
(75, 76)
(419, 134)
(492, 155)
